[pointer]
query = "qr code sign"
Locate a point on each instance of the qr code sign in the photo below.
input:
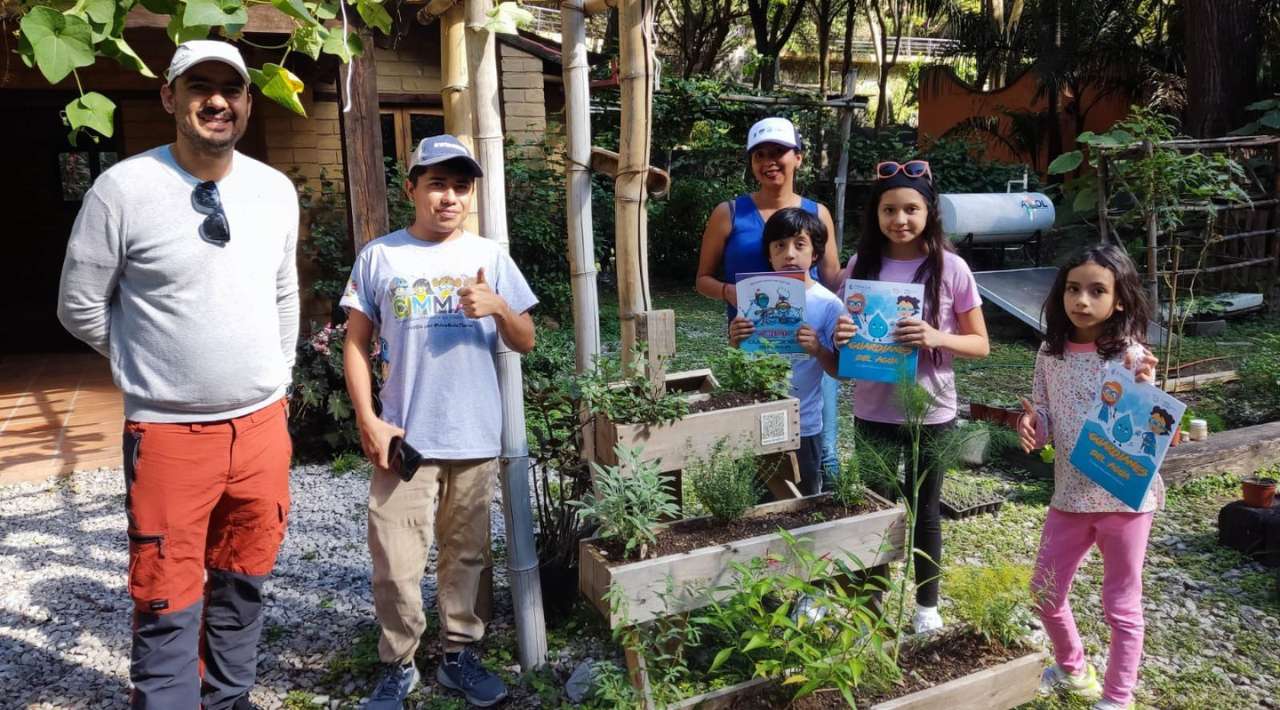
(773, 428)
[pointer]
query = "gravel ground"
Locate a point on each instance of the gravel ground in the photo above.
(64, 606)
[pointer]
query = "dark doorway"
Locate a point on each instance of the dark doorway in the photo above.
(41, 188)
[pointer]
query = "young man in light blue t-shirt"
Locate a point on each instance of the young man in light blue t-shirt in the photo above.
(793, 241)
(439, 298)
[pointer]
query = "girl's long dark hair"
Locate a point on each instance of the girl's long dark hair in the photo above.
(872, 245)
(1123, 327)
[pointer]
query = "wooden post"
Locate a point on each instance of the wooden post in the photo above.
(1104, 237)
(657, 329)
(842, 172)
(455, 92)
(636, 46)
(1153, 277)
(362, 149)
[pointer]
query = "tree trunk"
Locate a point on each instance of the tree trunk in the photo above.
(577, 119)
(1223, 50)
(362, 150)
(849, 8)
(824, 14)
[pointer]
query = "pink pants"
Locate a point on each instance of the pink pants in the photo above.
(1122, 539)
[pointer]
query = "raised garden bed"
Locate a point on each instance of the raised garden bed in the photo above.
(697, 554)
(754, 428)
(966, 673)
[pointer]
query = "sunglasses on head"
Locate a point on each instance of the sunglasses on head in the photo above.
(206, 201)
(912, 169)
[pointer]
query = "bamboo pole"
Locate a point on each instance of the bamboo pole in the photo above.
(636, 47)
(577, 119)
(522, 553)
(842, 171)
(455, 93)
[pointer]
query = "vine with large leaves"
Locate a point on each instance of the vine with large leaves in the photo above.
(58, 38)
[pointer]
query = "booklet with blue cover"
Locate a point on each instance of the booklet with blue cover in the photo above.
(774, 303)
(876, 307)
(1126, 435)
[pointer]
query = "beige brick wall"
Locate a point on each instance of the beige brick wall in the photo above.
(304, 146)
(524, 108)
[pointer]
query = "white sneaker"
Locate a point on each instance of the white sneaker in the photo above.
(1105, 704)
(927, 620)
(1083, 684)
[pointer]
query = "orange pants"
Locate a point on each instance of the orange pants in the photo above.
(207, 505)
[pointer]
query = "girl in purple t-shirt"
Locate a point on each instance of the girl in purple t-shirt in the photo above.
(902, 241)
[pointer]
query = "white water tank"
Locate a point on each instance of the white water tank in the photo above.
(995, 217)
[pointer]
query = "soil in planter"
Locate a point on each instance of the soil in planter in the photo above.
(723, 400)
(954, 654)
(692, 534)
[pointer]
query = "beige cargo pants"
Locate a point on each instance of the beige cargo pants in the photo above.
(451, 499)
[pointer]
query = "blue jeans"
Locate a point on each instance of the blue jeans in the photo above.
(830, 429)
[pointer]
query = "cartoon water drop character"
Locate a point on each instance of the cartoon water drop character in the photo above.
(1122, 432)
(1111, 392)
(761, 299)
(1160, 424)
(877, 327)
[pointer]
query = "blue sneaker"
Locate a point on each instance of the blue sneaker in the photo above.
(393, 687)
(465, 675)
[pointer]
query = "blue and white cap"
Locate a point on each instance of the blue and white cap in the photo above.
(443, 148)
(774, 130)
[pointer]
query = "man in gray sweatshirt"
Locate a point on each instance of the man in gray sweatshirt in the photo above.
(181, 270)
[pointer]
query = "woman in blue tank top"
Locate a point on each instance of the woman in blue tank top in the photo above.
(733, 240)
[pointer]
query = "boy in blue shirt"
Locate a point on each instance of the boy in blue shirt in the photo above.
(794, 240)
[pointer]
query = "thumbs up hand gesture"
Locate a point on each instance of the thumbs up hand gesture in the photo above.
(478, 300)
(1027, 426)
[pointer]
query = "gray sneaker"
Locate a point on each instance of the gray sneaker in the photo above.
(394, 685)
(466, 675)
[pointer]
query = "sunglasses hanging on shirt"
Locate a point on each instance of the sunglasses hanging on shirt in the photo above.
(207, 201)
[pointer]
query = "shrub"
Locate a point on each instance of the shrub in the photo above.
(629, 501)
(726, 483)
(321, 418)
(1260, 372)
(994, 599)
(763, 376)
(625, 395)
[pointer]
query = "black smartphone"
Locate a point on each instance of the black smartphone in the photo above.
(404, 459)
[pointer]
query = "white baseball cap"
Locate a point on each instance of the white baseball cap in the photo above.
(196, 51)
(774, 130)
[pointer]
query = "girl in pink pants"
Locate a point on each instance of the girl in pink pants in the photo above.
(1096, 311)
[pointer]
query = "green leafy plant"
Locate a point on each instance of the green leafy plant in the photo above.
(1267, 120)
(765, 377)
(629, 502)
(994, 599)
(790, 623)
(320, 412)
(725, 482)
(850, 490)
(1260, 372)
(625, 395)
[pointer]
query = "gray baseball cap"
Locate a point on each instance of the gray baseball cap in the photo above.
(443, 148)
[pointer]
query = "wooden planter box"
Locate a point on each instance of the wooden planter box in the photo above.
(762, 428)
(1001, 687)
(873, 538)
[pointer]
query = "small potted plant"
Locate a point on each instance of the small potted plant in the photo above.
(1259, 491)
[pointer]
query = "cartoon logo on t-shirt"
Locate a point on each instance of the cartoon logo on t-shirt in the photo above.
(427, 297)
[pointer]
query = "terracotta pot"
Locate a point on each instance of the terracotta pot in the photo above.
(1259, 492)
